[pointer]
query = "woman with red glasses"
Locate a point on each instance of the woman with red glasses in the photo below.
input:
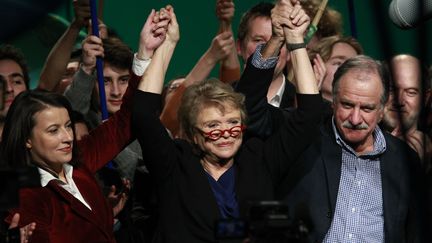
(212, 174)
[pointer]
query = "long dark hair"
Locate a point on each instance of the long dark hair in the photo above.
(20, 121)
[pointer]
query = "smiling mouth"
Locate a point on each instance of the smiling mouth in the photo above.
(226, 144)
(66, 149)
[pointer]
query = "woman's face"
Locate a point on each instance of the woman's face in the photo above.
(51, 139)
(212, 118)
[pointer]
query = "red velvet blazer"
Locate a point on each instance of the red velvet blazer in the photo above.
(59, 216)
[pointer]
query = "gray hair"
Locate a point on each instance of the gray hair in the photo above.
(364, 63)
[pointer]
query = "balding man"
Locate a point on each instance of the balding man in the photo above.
(408, 90)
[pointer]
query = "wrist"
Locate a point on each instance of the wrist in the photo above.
(294, 39)
(144, 54)
(277, 39)
(209, 58)
(87, 69)
(295, 46)
(75, 25)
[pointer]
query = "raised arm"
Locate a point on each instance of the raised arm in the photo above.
(220, 48)
(295, 23)
(154, 77)
(151, 37)
(256, 79)
(80, 90)
(263, 118)
(157, 146)
(113, 135)
(301, 126)
(59, 56)
(230, 65)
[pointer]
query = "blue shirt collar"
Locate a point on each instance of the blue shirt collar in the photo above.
(379, 141)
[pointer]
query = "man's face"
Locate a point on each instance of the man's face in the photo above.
(116, 83)
(14, 85)
(357, 108)
(340, 53)
(259, 32)
(407, 92)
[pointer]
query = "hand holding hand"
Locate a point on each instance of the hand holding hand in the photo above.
(173, 32)
(153, 33)
(296, 22)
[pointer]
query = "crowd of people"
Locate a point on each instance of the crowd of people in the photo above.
(310, 141)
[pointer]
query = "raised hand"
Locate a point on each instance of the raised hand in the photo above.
(103, 31)
(81, 12)
(92, 48)
(221, 46)
(173, 32)
(277, 18)
(296, 21)
(320, 69)
(153, 33)
(225, 10)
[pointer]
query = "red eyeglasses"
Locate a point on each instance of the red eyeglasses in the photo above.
(217, 133)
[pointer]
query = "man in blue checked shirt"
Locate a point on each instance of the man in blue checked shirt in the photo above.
(356, 183)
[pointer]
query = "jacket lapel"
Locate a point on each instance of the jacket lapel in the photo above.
(78, 207)
(391, 179)
(332, 162)
(74, 203)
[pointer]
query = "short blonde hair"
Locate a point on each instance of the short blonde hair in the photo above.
(207, 93)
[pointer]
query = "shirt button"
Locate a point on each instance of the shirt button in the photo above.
(353, 210)
(350, 235)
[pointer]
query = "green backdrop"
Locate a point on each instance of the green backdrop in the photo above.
(198, 25)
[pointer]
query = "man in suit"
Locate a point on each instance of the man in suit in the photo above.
(356, 183)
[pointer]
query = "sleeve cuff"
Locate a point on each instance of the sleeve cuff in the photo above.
(139, 66)
(259, 62)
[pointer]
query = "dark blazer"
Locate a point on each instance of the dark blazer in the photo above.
(312, 187)
(187, 207)
(59, 216)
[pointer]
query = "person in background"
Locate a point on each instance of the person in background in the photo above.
(62, 62)
(14, 70)
(332, 51)
(229, 70)
(409, 89)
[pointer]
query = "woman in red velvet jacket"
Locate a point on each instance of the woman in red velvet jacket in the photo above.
(69, 206)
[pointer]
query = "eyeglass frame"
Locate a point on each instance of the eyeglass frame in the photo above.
(208, 135)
